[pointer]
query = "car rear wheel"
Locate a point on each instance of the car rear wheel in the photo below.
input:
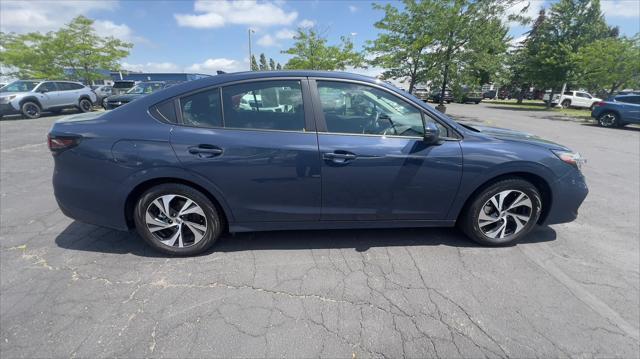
(565, 104)
(177, 220)
(502, 213)
(84, 105)
(609, 119)
(31, 110)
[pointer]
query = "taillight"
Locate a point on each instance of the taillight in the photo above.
(60, 143)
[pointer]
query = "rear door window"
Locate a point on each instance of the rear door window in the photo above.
(202, 109)
(264, 105)
(48, 87)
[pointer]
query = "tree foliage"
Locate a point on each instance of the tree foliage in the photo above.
(610, 63)
(311, 52)
(263, 63)
(75, 46)
(254, 63)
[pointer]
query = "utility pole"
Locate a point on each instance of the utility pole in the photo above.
(250, 54)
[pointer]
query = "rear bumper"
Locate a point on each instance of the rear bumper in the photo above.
(568, 194)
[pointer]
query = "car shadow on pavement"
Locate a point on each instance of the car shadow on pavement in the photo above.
(627, 127)
(83, 237)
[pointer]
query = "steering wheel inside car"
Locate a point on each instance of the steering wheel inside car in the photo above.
(381, 116)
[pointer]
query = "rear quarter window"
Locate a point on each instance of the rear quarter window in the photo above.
(164, 112)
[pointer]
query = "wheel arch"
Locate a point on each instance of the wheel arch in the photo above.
(142, 187)
(30, 99)
(539, 182)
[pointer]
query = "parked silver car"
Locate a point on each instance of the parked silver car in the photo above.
(31, 97)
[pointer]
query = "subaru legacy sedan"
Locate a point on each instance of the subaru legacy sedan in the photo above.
(302, 150)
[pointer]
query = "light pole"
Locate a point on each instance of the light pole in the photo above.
(250, 54)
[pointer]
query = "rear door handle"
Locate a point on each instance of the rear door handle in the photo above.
(339, 156)
(205, 151)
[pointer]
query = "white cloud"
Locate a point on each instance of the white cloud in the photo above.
(285, 34)
(306, 23)
(210, 66)
(353, 8)
(621, 8)
(211, 14)
(43, 16)
(119, 31)
(267, 40)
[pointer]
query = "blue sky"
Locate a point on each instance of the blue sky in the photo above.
(204, 36)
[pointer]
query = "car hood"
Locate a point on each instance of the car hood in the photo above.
(127, 97)
(518, 136)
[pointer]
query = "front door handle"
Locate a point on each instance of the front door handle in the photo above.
(205, 151)
(339, 156)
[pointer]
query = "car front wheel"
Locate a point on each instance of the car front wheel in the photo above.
(565, 104)
(31, 110)
(502, 213)
(178, 220)
(84, 105)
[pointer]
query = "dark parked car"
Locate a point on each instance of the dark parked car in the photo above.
(504, 94)
(491, 94)
(471, 97)
(139, 90)
(259, 151)
(122, 86)
(435, 96)
(617, 111)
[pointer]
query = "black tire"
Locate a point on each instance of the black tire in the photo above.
(477, 102)
(31, 110)
(609, 119)
(566, 104)
(84, 105)
(213, 220)
(468, 221)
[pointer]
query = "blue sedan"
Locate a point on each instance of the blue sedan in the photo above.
(617, 111)
(296, 150)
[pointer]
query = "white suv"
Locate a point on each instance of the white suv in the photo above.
(573, 99)
(32, 97)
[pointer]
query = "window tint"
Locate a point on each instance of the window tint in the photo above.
(165, 112)
(63, 86)
(629, 99)
(47, 86)
(75, 86)
(568, 93)
(268, 105)
(582, 94)
(202, 109)
(359, 109)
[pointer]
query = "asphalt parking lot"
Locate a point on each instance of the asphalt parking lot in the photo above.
(74, 290)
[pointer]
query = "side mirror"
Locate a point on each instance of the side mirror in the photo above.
(431, 133)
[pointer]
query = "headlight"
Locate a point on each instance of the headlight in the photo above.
(7, 99)
(572, 158)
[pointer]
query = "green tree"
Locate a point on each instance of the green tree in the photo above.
(254, 63)
(272, 64)
(564, 30)
(402, 49)
(465, 31)
(30, 55)
(278, 67)
(311, 52)
(609, 63)
(263, 63)
(75, 46)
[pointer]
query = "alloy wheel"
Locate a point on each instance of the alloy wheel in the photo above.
(85, 105)
(32, 110)
(505, 214)
(608, 120)
(176, 221)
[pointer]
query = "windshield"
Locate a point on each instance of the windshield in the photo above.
(20, 86)
(145, 88)
(123, 84)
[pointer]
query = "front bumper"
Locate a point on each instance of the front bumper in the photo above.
(568, 193)
(8, 109)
